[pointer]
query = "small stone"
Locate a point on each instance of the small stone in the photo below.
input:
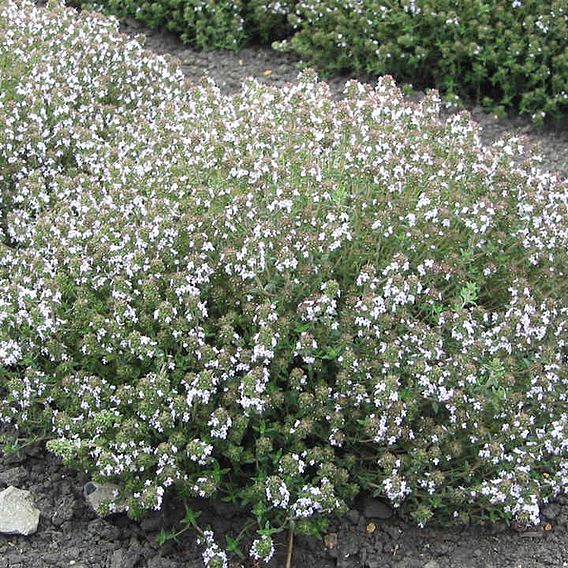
(353, 516)
(371, 528)
(551, 512)
(98, 495)
(330, 541)
(431, 564)
(376, 509)
(18, 515)
(13, 476)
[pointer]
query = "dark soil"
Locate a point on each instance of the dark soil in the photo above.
(70, 534)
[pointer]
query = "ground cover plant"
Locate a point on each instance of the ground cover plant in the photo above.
(274, 298)
(504, 54)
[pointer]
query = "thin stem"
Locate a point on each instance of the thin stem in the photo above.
(290, 545)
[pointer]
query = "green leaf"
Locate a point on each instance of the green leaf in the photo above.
(191, 516)
(268, 530)
(277, 456)
(165, 536)
(233, 546)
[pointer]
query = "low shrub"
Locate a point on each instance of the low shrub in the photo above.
(267, 21)
(504, 54)
(273, 298)
(217, 24)
(221, 24)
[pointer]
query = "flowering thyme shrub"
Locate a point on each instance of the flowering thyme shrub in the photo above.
(273, 297)
(224, 24)
(508, 53)
(204, 23)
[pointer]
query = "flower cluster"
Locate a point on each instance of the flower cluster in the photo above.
(262, 549)
(213, 556)
(273, 297)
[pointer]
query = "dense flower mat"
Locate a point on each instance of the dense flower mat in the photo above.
(273, 297)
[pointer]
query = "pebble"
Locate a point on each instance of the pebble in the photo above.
(330, 541)
(353, 516)
(375, 509)
(18, 515)
(13, 476)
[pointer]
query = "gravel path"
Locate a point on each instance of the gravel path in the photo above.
(70, 534)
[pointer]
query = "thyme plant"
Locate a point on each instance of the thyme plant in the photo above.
(274, 298)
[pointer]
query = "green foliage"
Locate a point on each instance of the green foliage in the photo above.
(216, 24)
(267, 20)
(508, 54)
(274, 298)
